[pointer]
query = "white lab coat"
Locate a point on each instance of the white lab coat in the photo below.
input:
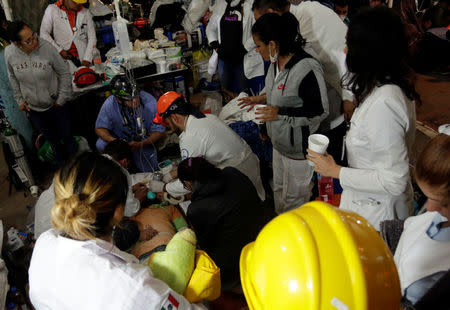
(70, 274)
(56, 29)
(221, 146)
(417, 255)
(253, 62)
(377, 184)
(325, 32)
(325, 35)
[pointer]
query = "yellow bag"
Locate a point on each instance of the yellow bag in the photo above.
(205, 280)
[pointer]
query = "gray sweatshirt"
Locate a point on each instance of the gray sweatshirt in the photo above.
(300, 93)
(41, 79)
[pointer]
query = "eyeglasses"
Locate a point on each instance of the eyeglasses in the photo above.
(31, 39)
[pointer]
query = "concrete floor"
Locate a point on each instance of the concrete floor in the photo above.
(13, 208)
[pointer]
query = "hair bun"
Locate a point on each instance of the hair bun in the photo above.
(73, 214)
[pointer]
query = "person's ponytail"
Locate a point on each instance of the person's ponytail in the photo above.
(294, 41)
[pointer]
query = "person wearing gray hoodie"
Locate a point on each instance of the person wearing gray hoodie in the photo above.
(41, 83)
(297, 103)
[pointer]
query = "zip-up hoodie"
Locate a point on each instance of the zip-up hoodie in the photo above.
(41, 79)
(300, 92)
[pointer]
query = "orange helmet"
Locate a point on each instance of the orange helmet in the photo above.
(164, 102)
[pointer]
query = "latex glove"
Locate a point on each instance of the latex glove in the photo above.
(156, 186)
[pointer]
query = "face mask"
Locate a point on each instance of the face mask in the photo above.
(342, 17)
(274, 58)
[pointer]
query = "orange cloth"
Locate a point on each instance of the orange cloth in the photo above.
(160, 219)
(71, 15)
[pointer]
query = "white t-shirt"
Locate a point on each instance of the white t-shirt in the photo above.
(68, 274)
(221, 146)
(322, 28)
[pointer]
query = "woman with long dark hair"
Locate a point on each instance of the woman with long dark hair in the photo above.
(377, 182)
(297, 102)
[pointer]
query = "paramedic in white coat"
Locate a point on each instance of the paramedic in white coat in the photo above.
(69, 27)
(377, 183)
(423, 252)
(208, 136)
(253, 63)
(118, 151)
(76, 265)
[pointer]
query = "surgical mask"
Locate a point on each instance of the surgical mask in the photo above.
(342, 17)
(274, 58)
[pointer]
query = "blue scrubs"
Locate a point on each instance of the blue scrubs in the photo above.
(111, 117)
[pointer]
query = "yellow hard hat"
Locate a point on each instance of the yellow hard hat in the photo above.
(319, 257)
(80, 1)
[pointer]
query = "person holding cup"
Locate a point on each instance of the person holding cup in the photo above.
(297, 102)
(377, 183)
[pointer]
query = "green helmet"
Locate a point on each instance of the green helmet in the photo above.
(122, 88)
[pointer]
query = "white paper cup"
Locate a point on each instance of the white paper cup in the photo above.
(255, 108)
(317, 143)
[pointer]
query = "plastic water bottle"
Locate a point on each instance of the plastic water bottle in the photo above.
(326, 189)
(122, 39)
(97, 60)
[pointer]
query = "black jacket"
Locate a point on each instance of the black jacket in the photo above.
(226, 214)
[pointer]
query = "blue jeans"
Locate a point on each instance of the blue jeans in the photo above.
(54, 124)
(232, 76)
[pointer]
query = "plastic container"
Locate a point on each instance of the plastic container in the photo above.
(165, 166)
(122, 39)
(161, 66)
(173, 52)
(326, 188)
(97, 60)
